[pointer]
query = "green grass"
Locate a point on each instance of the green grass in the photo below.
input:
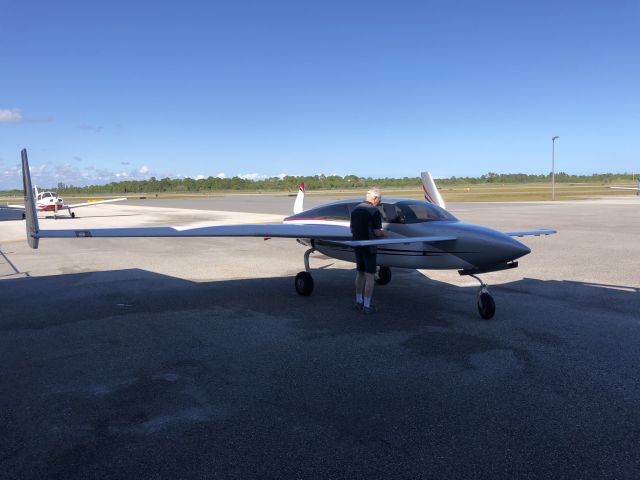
(456, 193)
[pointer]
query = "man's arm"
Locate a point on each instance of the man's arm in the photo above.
(377, 225)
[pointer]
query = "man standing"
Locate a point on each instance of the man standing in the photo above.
(366, 224)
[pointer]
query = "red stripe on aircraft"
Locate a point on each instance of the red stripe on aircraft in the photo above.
(426, 195)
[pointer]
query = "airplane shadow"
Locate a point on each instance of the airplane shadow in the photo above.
(115, 369)
(410, 302)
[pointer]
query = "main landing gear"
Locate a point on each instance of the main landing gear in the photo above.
(486, 305)
(304, 280)
(383, 275)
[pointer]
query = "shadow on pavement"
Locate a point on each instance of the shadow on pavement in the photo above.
(133, 374)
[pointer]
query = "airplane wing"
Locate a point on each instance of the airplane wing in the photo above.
(635, 189)
(88, 204)
(525, 233)
(334, 233)
(400, 240)
(279, 230)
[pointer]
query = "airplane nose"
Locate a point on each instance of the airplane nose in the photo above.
(514, 249)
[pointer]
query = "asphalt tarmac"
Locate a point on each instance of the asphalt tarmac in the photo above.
(195, 358)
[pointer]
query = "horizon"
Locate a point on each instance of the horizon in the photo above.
(560, 176)
(106, 92)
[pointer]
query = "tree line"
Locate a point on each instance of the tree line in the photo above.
(317, 182)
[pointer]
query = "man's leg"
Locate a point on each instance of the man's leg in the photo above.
(360, 278)
(370, 282)
(360, 286)
(370, 279)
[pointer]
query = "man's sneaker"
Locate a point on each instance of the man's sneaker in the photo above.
(358, 306)
(369, 310)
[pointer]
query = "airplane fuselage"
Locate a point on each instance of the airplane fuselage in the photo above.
(49, 202)
(474, 247)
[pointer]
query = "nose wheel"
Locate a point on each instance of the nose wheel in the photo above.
(486, 305)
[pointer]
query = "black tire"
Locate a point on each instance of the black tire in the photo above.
(304, 284)
(383, 276)
(486, 306)
(73, 214)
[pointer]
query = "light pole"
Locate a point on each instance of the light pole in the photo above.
(553, 167)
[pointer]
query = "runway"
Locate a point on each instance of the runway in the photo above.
(195, 358)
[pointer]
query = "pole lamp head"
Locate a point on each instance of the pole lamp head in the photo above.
(554, 138)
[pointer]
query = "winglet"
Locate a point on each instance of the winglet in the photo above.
(29, 203)
(297, 206)
(431, 193)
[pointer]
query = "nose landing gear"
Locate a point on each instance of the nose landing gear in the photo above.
(486, 305)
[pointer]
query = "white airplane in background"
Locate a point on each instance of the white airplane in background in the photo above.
(51, 202)
(419, 235)
(635, 189)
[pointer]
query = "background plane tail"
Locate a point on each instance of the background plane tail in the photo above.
(31, 215)
(431, 193)
(297, 206)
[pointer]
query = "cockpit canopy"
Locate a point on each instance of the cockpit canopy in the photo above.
(44, 195)
(393, 211)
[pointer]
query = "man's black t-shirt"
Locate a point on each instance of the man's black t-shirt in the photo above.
(365, 218)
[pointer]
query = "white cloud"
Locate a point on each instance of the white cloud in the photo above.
(76, 172)
(71, 173)
(251, 176)
(258, 176)
(10, 116)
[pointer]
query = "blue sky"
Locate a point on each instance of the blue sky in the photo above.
(99, 91)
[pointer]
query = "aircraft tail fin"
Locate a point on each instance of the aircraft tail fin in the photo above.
(29, 203)
(431, 193)
(298, 205)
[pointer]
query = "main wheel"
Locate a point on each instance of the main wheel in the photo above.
(486, 306)
(304, 284)
(73, 214)
(383, 276)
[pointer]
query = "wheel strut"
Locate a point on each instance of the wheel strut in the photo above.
(486, 305)
(306, 259)
(484, 288)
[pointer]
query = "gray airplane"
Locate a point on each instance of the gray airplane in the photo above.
(419, 235)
